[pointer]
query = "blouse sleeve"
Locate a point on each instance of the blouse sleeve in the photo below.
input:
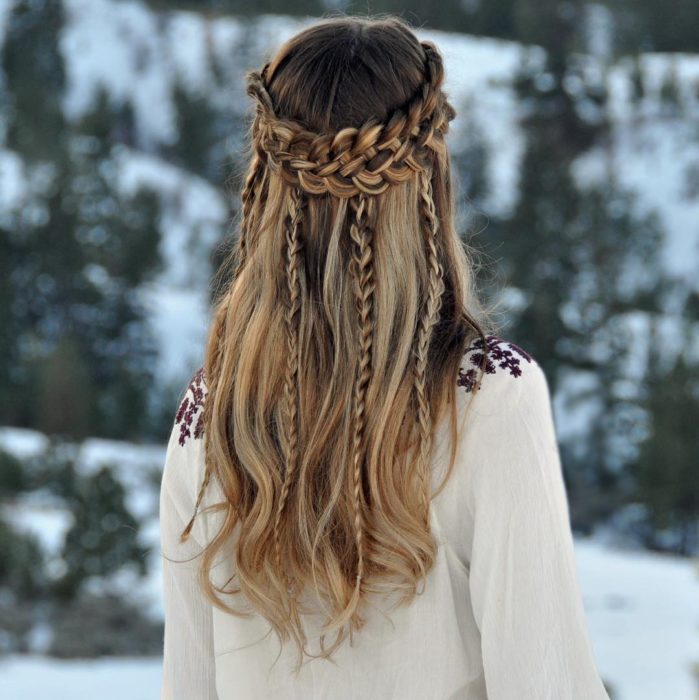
(188, 650)
(523, 579)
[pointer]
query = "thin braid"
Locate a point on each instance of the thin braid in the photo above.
(430, 225)
(291, 397)
(211, 380)
(363, 268)
(248, 197)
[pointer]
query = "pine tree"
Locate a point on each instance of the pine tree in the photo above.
(667, 477)
(638, 88)
(104, 536)
(667, 472)
(35, 79)
(670, 97)
(201, 128)
(582, 258)
(72, 292)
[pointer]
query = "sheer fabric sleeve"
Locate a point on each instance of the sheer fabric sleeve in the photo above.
(188, 650)
(523, 578)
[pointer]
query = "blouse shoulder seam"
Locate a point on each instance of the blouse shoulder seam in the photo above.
(189, 416)
(497, 356)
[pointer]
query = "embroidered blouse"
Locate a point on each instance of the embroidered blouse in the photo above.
(500, 616)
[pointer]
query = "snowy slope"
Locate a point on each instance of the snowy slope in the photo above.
(654, 151)
(138, 56)
(643, 614)
(44, 515)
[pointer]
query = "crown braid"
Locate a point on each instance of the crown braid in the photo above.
(365, 159)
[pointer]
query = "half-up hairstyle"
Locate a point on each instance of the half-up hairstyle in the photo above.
(335, 345)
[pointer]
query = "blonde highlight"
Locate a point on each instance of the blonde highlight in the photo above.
(334, 349)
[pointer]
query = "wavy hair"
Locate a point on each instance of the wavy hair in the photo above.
(337, 337)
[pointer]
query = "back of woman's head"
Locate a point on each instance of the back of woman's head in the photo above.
(337, 337)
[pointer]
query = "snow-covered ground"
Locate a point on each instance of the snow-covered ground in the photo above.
(643, 615)
(39, 678)
(642, 611)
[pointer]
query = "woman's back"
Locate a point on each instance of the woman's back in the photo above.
(500, 615)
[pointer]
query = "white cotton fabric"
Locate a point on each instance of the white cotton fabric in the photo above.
(501, 614)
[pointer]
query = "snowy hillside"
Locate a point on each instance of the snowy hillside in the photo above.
(140, 57)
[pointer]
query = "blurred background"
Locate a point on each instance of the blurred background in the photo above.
(576, 149)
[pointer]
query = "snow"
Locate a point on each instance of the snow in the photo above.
(643, 614)
(117, 47)
(6, 7)
(37, 678)
(654, 153)
(22, 442)
(477, 73)
(136, 467)
(188, 34)
(12, 181)
(179, 318)
(193, 218)
(194, 212)
(48, 522)
(575, 404)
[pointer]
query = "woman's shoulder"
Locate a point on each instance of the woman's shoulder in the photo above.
(507, 372)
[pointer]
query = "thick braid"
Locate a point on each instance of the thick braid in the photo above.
(365, 159)
(362, 237)
(291, 394)
(430, 226)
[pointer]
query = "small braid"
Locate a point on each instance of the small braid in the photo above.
(293, 269)
(430, 225)
(249, 198)
(362, 236)
(211, 379)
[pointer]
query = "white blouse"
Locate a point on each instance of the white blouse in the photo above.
(500, 616)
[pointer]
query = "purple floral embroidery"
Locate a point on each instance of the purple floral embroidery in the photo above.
(498, 353)
(189, 409)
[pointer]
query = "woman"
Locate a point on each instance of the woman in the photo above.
(362, 495)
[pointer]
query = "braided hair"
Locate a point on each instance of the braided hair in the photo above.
(357, 164)
(353, 165)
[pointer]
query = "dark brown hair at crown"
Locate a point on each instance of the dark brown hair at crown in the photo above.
(374, 68)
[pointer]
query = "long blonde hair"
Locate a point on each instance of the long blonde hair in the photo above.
(336, 342)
